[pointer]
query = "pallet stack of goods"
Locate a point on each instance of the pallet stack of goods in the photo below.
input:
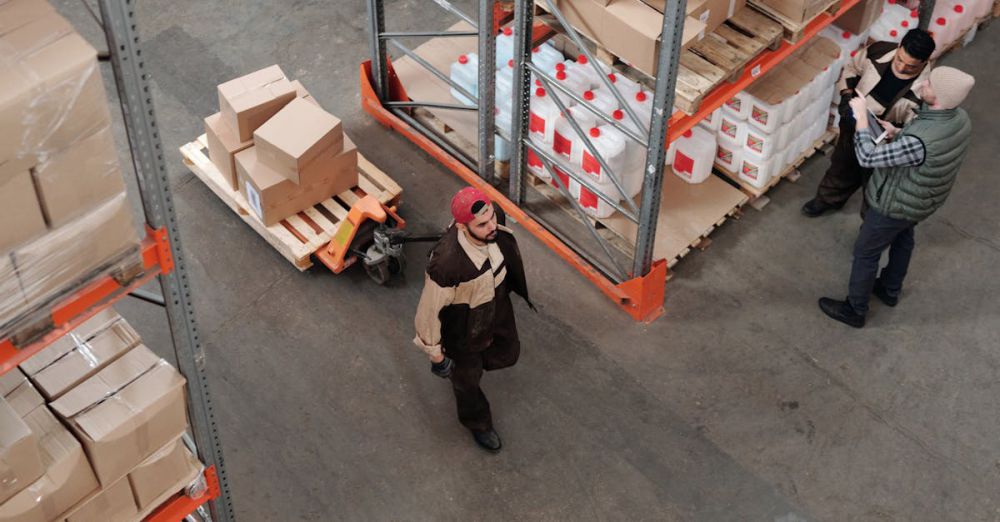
(63, 208)
(277, 147)
(91, 427)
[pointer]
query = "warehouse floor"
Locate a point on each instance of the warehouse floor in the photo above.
(742, 403)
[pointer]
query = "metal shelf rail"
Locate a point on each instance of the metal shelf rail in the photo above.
(161, 258)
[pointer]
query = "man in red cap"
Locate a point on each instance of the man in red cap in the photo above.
(465, 319)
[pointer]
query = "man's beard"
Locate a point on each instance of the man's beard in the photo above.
(492, 238)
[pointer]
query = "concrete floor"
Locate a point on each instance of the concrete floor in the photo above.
(742, 403)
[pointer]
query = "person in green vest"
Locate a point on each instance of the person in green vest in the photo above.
(914, 171)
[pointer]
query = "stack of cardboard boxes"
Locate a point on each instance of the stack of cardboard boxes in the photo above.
(277, 147)
(90, 429)
(64, 215)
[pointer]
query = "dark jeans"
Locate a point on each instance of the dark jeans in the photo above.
(879, 232)
(845, 175)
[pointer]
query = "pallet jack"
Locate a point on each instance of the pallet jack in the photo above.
(375, 234)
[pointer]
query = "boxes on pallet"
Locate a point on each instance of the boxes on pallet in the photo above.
(21, 218)
(798, 11)
(301, 142)
(60, 259)
(15, 14)
(77, 179)
(223, 144)
(125, 412)
(67, 480)
(712, 13)
(20, 454)
(249, 101)
(24, 399)
(167, 471)
(272, 197)
(10, 381)
(77, 358)
(60, 347)
(112, 504)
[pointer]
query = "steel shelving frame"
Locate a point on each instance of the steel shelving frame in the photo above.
(162, 258)
(638, 289)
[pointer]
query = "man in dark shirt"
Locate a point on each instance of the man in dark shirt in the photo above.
(884, 73)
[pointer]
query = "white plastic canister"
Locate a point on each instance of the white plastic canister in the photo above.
(695, 155)
(542, 117)
(465, 72)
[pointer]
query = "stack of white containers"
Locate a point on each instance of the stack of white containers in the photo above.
(769, 126)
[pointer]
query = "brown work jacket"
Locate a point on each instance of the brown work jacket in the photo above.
(863, 72)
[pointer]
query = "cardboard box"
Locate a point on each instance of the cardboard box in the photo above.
(67, 479)
(20, 455)
(167, 471)
(223, 144)
(798, 11)
(860, 17)
(24, 399)
(712, 13)
(10, 381)
(297, 136)
(272, 197)
(12, 303)
(301, 92)
(21, 218)
(125, 412)
(78, 179)
(88, 329)
(628, 28)
(82, 358)
(16, 13)
(113, 504)
(61, 259)
(249, 101)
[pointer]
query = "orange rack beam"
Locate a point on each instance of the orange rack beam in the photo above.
(74, 309)
(175, 509)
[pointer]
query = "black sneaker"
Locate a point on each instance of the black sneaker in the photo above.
(816, 207)
(882, 295)
(489, 440)
(841, 311)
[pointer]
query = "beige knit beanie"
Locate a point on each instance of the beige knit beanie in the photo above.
(951, 86)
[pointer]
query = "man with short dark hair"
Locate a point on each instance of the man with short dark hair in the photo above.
(465, 319)
(914, 173)
(884, 74)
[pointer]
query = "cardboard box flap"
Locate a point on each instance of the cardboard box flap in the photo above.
(85, 359)
(10, 381)
(131, 405)
(300, 130)
(643, 19)
(64, 344)
(106, 382)
(25, 399)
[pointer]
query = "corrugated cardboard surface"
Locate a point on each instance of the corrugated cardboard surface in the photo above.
(67, 479)
(60, 259)
(10, 381)
(87, 357)
(249, 101)
(223, 144)
(860, 17)
(21, 218)
(709, 12)
(19, 12)
(24, 399)
(89, 328)
(12, 301)
(113, 504)
(295, 137)
(272, 197)
(797, 10)
(20, 455)
(161, 472)
(301, 92)
(125, 412)
(79, 178)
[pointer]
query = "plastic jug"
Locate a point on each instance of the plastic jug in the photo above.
(728, 157)
(963, 16)
(979, 8)
(756, 173)
(505, 46)
(546, 57)
(760, 143)
(593, 204)
(504, 95)
(732, 130)
(847, 40)
(535, 165)
(944, 32)
(565, 141)
(542, 117)
(713, 121)
(766, 116)
(635, 156)
(642, 104)
(502, 120)
(625, 86)
(602, 100)
(695, 155)
(465, 72)
(610, 144)
(582, 67)
(738, 106)
(573, 83)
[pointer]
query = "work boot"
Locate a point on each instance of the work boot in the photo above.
(841, 311)
(489, 440)
(883, 295)
(816, 207)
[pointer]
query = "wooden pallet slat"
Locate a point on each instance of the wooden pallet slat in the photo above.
(794, 31)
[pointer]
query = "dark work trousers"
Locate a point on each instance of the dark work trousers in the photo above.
(879, 232)
(503, 351)
(845, 174)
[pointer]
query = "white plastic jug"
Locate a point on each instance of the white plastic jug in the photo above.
(642, 104)
(546, 57)
(980, 8)
(592, 204)
(766, 116)
(635, 156)
(625, 86)
(610, 144)
(535, 165)
(465, 72)
(760, 143)
(847, 40)
(565, 141)
(542, 117)
(738, 106)
(602, 100)
(944, 32)
(732, 130)
(505, 46)
(695, 155)
(573, 83)
(582, 67)
(713, 121)
(756, 173)
(963, 16)
(502, 120)
(728, 157)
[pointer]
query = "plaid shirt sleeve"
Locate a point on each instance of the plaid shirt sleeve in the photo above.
(903, 151)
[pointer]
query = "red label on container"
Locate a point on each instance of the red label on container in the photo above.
(590, 165)
(533, 160)
(537, 124)
(588, 199)
(750, 171)
(724, 154)
(756, 144)
(561, 145)
(563, 177)
(759, 115)
(683, 164)
(729, 129)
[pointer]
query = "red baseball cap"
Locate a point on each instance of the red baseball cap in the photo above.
(463, 202)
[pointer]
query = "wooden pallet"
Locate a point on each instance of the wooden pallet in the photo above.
(297, 237)
(722, 55)
(794, 31)
(758, 195)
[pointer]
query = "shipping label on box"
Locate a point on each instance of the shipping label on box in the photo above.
(249, 101)
(223, 144)
(299, 133)
(20, 454)
(165, 472)
(125, 412)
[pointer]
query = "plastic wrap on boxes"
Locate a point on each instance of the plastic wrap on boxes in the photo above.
(68, 257)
